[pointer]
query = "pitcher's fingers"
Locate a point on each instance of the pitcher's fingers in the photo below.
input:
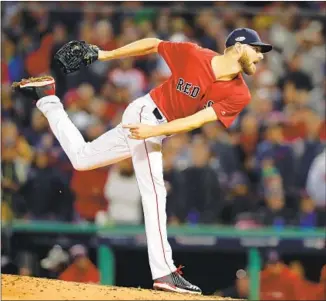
(130, 126)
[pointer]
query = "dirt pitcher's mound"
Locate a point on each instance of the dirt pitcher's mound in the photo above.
(30, 288)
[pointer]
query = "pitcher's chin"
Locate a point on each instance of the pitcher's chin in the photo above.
(249, 69)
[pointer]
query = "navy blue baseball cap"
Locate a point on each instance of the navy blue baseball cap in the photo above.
(247, 36)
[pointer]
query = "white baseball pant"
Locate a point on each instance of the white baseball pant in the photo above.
(114, 146)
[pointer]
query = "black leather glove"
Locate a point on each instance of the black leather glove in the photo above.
(71, 56)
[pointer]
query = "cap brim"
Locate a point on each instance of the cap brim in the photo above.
(264, 47)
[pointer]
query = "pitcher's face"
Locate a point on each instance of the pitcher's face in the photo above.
(254, 53)
(251, 56)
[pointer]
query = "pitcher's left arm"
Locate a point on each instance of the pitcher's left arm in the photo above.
(142, 131)
(225, 110)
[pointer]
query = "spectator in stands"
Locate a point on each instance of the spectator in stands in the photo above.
(245, 145)
(309, 216)
(239, 200)
(318, 292)
(181, 145)
(25, 270)
(275, 212)
(309, 290)
(311, 43)
(323, 274)
(78, 102)
(11, 52)
(15, 163)
(10, 184)
(297, 268)
(8, 110)
(162, 25)
(46, 195)
(121, 191)
(265, 84)
(282, 154)
(126, 75)
(261, 107)
(297, 83)
(55, 262)
(311, 146)
(224, 159)
(38, 128)
(321, 294)
(277, 281)
(241, 288)
(115, 102)
(103, 35)
(81, 269)
(11, 136)
(281, 34)
(174, 184)
(88, 189)
(8, 263)
(208, 39)
(202, 186)
(316, 183)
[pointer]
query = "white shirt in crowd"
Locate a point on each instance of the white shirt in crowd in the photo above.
(124, 198)
(316, 182)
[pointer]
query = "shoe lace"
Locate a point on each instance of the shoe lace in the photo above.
(177, 278)
(178, 270)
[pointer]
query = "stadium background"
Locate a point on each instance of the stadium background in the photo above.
(268, 170)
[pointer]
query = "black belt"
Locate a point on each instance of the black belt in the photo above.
(157, 114)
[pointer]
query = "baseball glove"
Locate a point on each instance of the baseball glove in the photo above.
(71, 56)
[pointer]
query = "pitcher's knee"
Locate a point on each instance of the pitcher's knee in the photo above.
(80, 162)
(79, 166)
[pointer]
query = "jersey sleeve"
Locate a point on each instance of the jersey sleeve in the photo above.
(175, 54)
(228, 109)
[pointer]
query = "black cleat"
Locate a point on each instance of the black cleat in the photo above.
(35, 87)
(174, 282)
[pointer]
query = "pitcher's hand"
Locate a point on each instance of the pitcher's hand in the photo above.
(141, 131)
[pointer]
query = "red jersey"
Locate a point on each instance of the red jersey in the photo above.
(73, 273)
(282, 286)
(193, 85)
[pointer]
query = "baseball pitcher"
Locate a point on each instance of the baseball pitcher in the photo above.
(204, 86)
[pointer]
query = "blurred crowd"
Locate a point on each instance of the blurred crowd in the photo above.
(69, 264)
(279, 281)
(267, 169)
